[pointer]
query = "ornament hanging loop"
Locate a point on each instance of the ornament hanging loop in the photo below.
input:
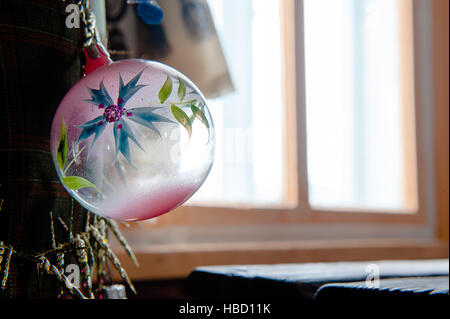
(95, 54)
(87, 19)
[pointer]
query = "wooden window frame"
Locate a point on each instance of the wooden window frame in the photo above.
(243, 235)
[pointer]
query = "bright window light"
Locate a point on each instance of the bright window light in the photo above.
(248, 167)
(356, 127)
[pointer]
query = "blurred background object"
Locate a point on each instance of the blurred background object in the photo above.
(149, 11)
(185, 40)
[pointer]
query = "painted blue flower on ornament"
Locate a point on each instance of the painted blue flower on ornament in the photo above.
(117, 115)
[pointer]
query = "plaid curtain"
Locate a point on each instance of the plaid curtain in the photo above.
(39, 63)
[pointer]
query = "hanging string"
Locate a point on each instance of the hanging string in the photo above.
(87, 19)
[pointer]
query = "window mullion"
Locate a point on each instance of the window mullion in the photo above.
(302, 169)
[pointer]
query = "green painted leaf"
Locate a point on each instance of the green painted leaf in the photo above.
(74, 159)
(187, 103)
(77, 182)
(165, 90)
(61, 153)
(181, 90)
(182, 118)
(200, 115)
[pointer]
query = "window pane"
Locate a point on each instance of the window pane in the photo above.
(248, 167)
(359, 104)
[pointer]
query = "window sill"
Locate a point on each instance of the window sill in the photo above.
(170, 261)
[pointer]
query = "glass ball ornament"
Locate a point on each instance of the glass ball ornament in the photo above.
(132, 140)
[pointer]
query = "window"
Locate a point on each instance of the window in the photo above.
(360, 135)
(322, 122)
(248, 166)
(360, 104)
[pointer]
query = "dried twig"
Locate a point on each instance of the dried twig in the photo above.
(115, 229)
(50, 269)
(6, 265)
(109, 253)
(63, 224)
(71, 221)
(60, 255)
(83, 260)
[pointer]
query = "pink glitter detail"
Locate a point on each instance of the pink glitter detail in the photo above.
(100, 123)
(113, 113)
(119, 101)
(100, 106)
(129, 113)
(119, 126)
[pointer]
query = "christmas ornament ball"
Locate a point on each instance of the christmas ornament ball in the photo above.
(132, 140)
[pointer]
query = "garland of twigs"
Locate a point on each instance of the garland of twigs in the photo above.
(91, 250)
(90, 246)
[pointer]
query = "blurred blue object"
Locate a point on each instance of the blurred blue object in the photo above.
(149, 11)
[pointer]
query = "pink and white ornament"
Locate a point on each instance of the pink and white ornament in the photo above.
(132, 140)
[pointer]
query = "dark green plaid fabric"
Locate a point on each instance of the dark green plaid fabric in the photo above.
(39, 63)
